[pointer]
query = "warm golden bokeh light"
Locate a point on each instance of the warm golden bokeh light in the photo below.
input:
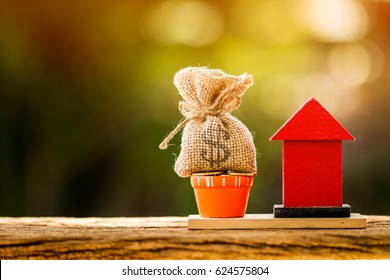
(260, 21)
(87, 96)
(335, 21)
(190, 23)
(350, 64)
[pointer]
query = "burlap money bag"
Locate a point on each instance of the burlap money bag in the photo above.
(212, 140)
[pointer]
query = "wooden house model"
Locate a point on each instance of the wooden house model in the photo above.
(312, 164)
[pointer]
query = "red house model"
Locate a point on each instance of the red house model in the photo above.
(312, 164)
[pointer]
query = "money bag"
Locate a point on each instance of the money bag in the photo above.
(212, 140)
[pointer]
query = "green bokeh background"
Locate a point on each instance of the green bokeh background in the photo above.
(86, 96)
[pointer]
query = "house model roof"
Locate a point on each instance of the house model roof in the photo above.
(312, 122)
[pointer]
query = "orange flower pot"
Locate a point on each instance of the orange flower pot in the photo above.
(222, 196)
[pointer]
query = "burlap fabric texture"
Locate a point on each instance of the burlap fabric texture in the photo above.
(212, 140)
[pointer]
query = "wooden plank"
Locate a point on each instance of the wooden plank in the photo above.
(169, 238)
(267, 221)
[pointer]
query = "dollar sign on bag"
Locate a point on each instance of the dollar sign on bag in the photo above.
(218, 152)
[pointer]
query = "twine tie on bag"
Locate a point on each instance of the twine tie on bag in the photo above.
(226, 101)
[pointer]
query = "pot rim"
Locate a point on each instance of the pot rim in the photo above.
(222, 182)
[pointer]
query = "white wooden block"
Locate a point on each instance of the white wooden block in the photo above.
(267, 221)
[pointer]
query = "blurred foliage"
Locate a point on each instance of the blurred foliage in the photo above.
(86, 96)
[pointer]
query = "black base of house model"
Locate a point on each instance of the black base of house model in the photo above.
(312, 212)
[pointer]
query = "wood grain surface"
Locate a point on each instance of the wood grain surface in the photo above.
(169, 238)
